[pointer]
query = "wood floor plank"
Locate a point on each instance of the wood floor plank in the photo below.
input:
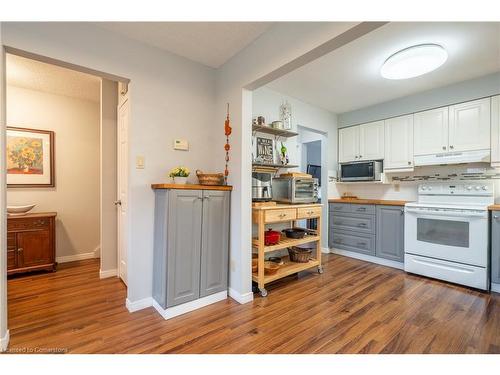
(353, 307)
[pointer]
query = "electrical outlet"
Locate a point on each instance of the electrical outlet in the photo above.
(396, 187)
(139, 162)
(181, 144)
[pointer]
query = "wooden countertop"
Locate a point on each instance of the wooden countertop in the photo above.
(494, 207)
(192, 187)
(369, 201)
(280, 206)
(32, 215)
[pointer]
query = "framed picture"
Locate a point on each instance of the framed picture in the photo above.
(30, 158)
(264, 150)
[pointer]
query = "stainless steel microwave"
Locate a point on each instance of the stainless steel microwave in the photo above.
(369, 170)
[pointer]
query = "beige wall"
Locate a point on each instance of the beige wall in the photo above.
(76, 194)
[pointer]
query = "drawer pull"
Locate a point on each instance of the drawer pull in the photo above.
(338, 222)
(362, 244)
(363, 225)
(310, 212)
(20, 250)
(361, 209)
(337, 241)
(282, 215)
(495, 217)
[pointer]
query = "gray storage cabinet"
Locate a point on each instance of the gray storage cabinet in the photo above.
(390, 233)
(495, 247)
(191, 245)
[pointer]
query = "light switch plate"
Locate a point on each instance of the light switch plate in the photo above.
(181, 144)
(139, 162)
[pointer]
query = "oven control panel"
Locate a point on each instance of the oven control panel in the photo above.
(476, 188)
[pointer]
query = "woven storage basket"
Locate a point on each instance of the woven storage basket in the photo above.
(299, 255)
(210, 178)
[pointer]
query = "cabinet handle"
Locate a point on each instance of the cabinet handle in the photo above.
(444, 148)
(402, 211)
(20, 250)
(495, 217)
(337, 241)
(206, 198)
(361, 209)
(361, 243)
(409, 163)
(360, 156)
(451, 147)
(282, 215)
(361, 225)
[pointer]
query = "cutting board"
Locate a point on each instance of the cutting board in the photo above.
(296, 174)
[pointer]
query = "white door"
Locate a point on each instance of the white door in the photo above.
(371, 141)
(122, 183)
(348, 144)
(430, 131)
(495, 131)
(470, 126)
(399, 143)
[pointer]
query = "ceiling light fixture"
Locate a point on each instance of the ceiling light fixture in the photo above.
(414, 61)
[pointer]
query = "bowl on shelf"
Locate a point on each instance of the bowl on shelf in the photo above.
(271, 237)
(270, 268)
(299, 255)
(295, 233)
(19, 210)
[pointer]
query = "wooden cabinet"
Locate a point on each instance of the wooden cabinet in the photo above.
(362, 142)
(191, 246)
(399, 144)
(390, 233)
(31, 243)
(495, 131)
(495, 247)
(430, 131)
(469, 127)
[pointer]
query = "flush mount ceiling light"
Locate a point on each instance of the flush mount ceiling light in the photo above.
(414, 61)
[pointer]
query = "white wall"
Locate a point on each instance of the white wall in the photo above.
(75, 197)
(171, 97)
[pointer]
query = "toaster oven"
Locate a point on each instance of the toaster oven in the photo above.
(295, 190)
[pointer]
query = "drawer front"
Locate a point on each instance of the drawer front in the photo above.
(340, 207)
(27, 223)
(273, 216)
(308, 212)
(350, 241)
(363, 209)
(355, 222)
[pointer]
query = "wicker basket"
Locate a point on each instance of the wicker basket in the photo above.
(210, 178)
(299, 255)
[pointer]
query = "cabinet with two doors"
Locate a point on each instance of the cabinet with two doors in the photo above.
(455, 128)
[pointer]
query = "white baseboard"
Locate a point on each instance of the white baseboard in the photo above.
(72, 258)
(171, 312)
(240, 298)
(138, 305)
(369, 258)
(4, 342)
(97, 252)
(108, 273)
(325, 250)
(495, 287)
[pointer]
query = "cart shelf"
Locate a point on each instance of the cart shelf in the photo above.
(288, 268)
(286, 242)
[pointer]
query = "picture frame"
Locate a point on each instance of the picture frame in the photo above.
(264, 150)
(30, 158)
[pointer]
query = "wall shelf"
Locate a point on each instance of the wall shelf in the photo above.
(276, 132)
(273, 166)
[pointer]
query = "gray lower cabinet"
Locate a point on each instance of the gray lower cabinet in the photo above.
(390, 233)
(495, 247)
(191, 245)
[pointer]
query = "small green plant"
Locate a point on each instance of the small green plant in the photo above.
(179, 172)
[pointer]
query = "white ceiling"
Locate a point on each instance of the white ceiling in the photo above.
(349, 79)
(35, 75)
(209, 43)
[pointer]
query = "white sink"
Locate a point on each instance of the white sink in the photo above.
(19, 210)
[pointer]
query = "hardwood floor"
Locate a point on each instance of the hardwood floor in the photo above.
(354, 307)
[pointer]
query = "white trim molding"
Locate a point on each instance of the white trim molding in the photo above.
(495, 287)
(184, 308)
(4, 342)
(325, 250)
(108, 273)
(81, 256)
(369, 258)
(138, 305)
(240, 298)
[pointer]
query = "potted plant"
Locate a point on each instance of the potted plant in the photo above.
(179, 175)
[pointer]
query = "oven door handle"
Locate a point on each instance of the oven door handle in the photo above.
(446, 213)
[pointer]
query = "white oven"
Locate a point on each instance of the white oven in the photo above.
(446, 233)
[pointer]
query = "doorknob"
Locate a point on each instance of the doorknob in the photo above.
(118, 202)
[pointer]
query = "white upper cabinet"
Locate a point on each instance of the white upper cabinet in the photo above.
(348, 144)
(430, 131)
(495, 131)
(371, 141)
(469, 127)
(399, 143)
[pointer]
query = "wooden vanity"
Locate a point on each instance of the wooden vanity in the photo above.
(285, 213)
(31, 242)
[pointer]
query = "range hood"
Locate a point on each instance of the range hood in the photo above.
(478, 156)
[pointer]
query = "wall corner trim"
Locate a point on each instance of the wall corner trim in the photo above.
(4, 342)
(325, 250)
(240, 298)
(138, 305)
(184, 308)
(108, 273)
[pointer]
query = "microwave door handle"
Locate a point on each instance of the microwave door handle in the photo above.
(445, 214)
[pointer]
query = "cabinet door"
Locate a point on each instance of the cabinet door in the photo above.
(214, 242)
(495, 247)
(399, 143)
(184, 246)
(495, 131)
(390, 233)
(348, 144)
(371, 141)
(33, 248)
(470, 126)
(11, 251)
(430, 131)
